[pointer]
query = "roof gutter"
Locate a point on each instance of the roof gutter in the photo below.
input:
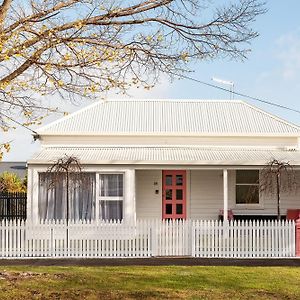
(169, 134)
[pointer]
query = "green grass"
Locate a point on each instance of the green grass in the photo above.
(149, 282)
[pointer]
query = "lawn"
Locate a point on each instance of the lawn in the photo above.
(173, 282)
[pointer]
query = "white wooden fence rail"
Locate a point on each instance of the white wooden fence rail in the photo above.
(243, 239)
(145, 238)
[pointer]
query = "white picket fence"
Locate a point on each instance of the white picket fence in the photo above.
(146, 238)
(244, 239)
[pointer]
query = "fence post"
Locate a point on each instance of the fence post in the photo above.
(298, 237)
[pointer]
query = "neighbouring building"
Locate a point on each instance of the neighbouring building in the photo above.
(16, 167)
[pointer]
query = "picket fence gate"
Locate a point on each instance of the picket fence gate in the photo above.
(146, 238)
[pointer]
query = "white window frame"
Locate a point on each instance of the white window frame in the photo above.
(108, 198)
(37, 174)
(248, 206)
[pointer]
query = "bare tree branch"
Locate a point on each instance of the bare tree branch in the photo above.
(276, 178)
(82, 48)
(3, 11)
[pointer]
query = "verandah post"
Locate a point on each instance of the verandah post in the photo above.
(225, 212)
(225, 190)
(298, 237)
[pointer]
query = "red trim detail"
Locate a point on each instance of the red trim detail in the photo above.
(171, 190)
(292, 214)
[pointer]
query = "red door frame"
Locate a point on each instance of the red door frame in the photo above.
(173, 203)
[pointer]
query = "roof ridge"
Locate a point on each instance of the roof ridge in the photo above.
(177, 100)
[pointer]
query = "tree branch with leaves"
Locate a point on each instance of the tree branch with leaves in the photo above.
(4, 148)
(84, 48)
(12, 183)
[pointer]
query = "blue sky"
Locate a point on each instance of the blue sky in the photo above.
(272, 73)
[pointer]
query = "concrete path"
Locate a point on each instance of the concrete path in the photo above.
(156, 261)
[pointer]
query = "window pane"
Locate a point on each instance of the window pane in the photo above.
(168, 179)
(111, 185)
(168, 209)
(247, 194)
(111, 210)
(179, 194)
(179, 209)
(53, 194)
(247, 176)
(179, 179)
(168, 194)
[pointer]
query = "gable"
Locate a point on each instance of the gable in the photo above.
(170, 117)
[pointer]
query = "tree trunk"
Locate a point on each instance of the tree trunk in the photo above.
(67, 187)
(67, 216)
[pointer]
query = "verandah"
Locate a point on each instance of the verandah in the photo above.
(146, 238)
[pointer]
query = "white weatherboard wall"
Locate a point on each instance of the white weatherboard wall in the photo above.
(206, 188)
(206, 192)
(289, 200)
(205, 195)
(148, 204)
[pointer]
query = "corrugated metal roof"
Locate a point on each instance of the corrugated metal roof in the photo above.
(170, 116)
(167, 155)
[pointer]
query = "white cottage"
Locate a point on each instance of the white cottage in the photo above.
(163, 159)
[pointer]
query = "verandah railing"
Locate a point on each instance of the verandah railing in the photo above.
(146, 238)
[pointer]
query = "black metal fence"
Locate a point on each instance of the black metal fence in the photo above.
(13, 206)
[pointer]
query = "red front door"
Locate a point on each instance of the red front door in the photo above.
(174, 195)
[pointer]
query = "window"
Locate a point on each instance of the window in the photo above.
(247, 187)
(52, 204)
(111, 196)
